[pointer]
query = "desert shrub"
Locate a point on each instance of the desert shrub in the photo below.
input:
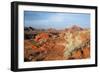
(75, 41)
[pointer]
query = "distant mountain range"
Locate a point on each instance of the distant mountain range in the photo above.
(72, 28)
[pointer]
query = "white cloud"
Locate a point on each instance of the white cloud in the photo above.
(57, 18)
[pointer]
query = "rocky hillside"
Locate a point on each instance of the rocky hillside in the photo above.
(52, 44)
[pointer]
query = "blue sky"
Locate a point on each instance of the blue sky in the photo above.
(45, 20)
